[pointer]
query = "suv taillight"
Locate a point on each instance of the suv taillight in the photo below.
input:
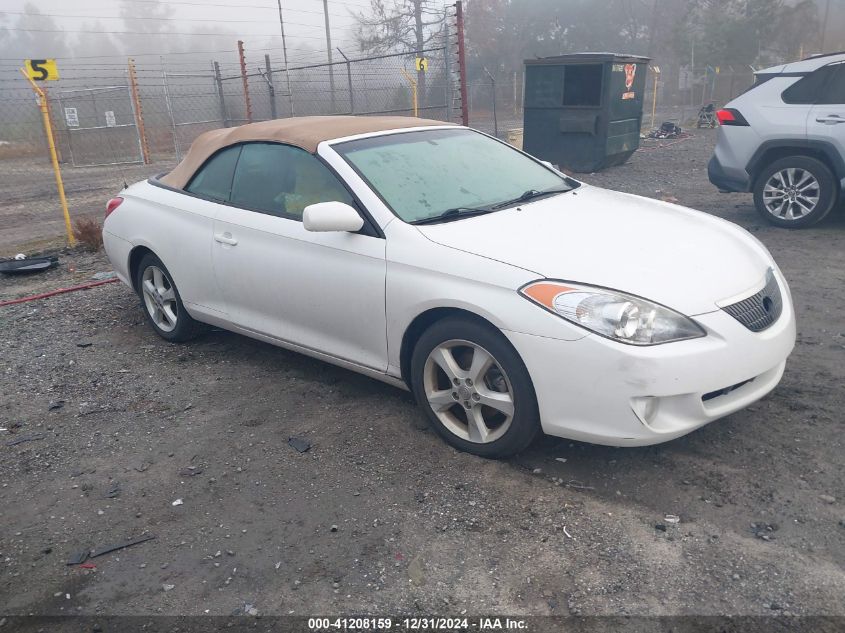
(113, 204)
(729, 116)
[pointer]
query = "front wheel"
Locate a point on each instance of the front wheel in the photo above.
(474, 388)
(795, 192)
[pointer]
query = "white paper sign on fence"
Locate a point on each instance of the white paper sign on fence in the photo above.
(71, 117)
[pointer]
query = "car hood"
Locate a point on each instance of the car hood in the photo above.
(684, 259)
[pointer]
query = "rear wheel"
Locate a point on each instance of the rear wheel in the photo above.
(474, 388)
(162, 303)
(795, 192)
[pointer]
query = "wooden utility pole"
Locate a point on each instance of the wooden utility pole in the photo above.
(285, 55)
(418, 24)
(462, 62)
(245, 80)
(329, 51)
(138, 112)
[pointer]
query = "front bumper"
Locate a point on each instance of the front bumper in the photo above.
(600, 391)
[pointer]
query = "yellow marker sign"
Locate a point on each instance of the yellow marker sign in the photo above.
(41, 69)
(422, 64)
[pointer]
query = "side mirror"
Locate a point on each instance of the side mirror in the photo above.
(325, 217)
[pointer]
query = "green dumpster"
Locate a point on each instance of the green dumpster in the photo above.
(583, 111)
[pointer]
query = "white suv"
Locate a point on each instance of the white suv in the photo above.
(784, 140)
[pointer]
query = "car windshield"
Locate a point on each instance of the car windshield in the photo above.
(439, 174)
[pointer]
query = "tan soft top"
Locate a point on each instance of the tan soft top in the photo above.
(305, 132)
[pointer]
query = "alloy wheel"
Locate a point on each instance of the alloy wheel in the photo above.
(791, 193)
(468, 391)
(160, 298)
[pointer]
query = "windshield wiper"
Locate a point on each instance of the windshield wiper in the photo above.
(531, 194)
(457, 213)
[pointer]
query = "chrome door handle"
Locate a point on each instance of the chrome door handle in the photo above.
(225, 238)
(830, 119)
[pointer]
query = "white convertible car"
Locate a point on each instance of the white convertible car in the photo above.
(508, 297)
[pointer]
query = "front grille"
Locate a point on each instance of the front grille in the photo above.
(725, 391)
(760, 310)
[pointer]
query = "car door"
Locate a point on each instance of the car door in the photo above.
(183, 237)
(321, 291)
(826, 120)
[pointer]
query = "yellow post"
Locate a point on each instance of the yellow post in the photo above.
(48, 129)
(413, 84)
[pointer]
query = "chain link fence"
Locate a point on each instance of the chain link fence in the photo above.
(117, 123)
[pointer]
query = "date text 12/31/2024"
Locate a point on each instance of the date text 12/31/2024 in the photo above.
(417, 624)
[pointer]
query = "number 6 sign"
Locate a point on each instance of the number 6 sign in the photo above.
(41, 69)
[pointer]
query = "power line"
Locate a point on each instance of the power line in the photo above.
(227, 6)
(130, 19)
(220, 34)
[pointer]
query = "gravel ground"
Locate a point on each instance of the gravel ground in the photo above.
(381, 517)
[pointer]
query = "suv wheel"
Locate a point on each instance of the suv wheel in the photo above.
(795, 192)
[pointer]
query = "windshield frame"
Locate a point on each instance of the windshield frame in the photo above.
(566, 179)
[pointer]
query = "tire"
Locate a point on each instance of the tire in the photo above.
(795, 192)
(501, 376)
(161, 302)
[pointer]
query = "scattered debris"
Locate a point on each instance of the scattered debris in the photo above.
(143, 466)
(168, 587)
(660, 527)
(178, 502)
(672, 519)
(667, 130)
(565, 531)
(122, 545)
(84, 344)
(666, 197)
(299, 444)
(22, 265)
(26, 438)
(577, 485)
(827, 498)
(764, 531)
(88, 566)
(562, 460)
(58, 404)
(191, 471)
(78, 558)
(333, 528)
(113, 491)
(104, 275)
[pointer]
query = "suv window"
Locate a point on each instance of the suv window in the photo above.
(214, 179)
(282, 180)
(834, 91)
(808, 90)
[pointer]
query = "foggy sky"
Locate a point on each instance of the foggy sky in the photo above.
(240, 19)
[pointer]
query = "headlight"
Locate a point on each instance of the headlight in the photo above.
(616, 315)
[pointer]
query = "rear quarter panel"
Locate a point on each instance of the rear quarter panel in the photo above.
(178, 229)
(768, 117)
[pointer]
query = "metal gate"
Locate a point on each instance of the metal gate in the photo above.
(99, 125)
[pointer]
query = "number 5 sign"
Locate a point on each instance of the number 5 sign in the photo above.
(41, 69)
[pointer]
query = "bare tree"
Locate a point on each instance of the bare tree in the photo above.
(402, 26)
